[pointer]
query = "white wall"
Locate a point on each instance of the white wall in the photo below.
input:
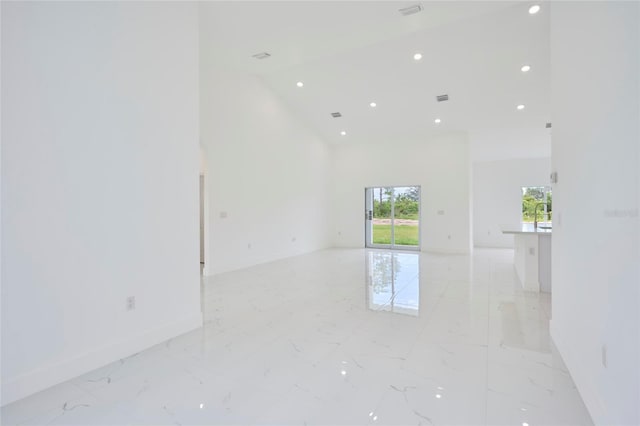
(99, 184)
(266, 171)
(439, 166)
(595, 48)
(497, 196)
(493, 144)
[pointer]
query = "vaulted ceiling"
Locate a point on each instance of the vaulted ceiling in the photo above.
(349, 54)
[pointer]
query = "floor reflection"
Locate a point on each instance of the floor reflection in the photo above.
(393, 282)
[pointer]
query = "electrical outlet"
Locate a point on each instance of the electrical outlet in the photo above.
(293, 240)
(604, 356)
(223, 215)
(131, 303)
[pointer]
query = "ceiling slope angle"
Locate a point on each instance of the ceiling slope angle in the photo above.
(351, 53)
(297, 32)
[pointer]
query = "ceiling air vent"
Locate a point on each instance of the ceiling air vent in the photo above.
(442, 98)
(406, 11)
(336, 114)
(262, 55)
(548, 125)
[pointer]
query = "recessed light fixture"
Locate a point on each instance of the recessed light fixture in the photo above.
(520, 107)
(438, 396)
(525, 68)
(343, 133)
(417, 56)
(373, 104)
(299, 84)
(437, 121)
(534, 9)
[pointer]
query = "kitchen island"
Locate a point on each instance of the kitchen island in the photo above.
(532, 255)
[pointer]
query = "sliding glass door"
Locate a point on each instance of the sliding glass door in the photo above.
(392, 217)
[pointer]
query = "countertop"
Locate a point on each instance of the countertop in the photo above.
(527, 228)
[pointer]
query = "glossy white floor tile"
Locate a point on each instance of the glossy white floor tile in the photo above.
(340, 337)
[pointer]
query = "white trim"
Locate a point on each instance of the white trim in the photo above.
(586, 387)
(368, 236)
(445, 251)
(46, 376)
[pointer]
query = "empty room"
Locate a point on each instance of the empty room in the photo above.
(320, 213)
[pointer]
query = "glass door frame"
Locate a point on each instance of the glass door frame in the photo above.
(368, 218)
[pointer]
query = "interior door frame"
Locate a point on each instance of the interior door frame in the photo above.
(368, 219)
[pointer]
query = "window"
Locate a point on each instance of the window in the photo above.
(537, 197)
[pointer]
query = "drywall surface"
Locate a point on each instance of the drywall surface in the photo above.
(595, 49)
(99, 184)
(268, 174)
(439, 166)
(497, 197)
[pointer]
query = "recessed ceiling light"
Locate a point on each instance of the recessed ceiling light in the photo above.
(417, 56)
(437, 121)
(343, 133)
(525, 68)
(373, 104)
(534, 9)
(520, 107)
(299, 84)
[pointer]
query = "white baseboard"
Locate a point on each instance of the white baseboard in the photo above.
(494, 246)
(44, 377)
(434, 250)
(586, 387)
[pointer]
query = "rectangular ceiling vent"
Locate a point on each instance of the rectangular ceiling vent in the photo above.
(336, 114)
(548, 126)
(442, 98)
(261, 55)
(406, 11)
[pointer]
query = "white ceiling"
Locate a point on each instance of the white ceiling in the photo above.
(349, 54)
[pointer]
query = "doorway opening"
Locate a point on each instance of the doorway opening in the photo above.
(203, 210)
(202, 224)
(392, 217)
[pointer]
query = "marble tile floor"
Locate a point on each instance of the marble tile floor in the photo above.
(340, 337)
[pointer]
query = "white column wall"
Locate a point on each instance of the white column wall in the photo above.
(99, 184)
(595, 50)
